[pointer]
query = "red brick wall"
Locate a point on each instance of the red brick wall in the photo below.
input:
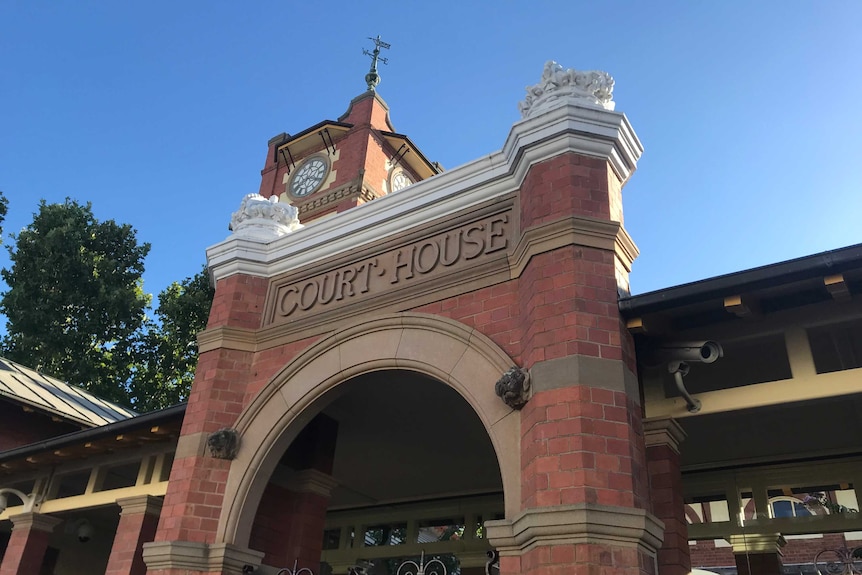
(582, 444)
(705, 554)
(18, 427)
(133, 531)
(666, 495)
(566, 185)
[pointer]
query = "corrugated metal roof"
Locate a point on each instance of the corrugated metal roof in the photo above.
(29, 387)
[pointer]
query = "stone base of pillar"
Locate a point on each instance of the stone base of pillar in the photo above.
(189, 558)
(620, 540)
(758, 554)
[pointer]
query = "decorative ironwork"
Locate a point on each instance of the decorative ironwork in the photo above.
(372, 78)
(842, 561)
(493, 562)
(295, 571)
(432, 567)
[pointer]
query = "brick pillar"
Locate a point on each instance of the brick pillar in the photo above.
(663, 462)
(195, 495)
(758, 554)
(28, 543)
(310, 492)
(289, 524)
(585, 491)
(290, 519)
(139, 517)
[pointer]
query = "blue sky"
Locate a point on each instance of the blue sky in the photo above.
(159, 112)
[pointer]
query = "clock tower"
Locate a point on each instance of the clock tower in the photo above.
(338, 164)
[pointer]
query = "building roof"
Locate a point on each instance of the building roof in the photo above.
(800, 271)
(28, 387)
(129, 433)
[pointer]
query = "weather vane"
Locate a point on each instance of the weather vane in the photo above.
(372, 78)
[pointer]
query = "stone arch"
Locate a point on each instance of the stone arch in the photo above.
(454, 354)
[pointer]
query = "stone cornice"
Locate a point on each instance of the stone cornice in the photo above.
(306, 481)
(663, 432)
(35, 521)
(574, 524)
(228, 338)
(324, 201)
(561, 129)
(575, 230)
(758, 543)
(146, 504)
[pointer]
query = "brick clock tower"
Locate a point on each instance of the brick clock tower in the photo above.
(336, 165)
(498, 279)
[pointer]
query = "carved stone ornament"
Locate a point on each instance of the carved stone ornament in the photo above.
(264, 219)
(514, 387)
(224, 443)
(591, 88)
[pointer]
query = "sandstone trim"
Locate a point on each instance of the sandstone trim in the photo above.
(757, 543)
(186, 555)
(663, 432)
(562, 372)
(574, 230)
(574, 524)
(146, 504)
(306, 481)
(35, 521)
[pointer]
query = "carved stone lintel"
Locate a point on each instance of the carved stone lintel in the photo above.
(264, 219)
(591, 88)
(514, 387)
(224, 443)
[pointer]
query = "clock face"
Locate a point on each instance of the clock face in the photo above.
(308, 178)
(400, 181)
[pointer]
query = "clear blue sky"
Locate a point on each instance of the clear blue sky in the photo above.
(159, 112)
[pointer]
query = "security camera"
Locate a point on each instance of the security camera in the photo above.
(85, 531)
(691, 351)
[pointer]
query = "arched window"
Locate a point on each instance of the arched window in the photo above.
(788, 507)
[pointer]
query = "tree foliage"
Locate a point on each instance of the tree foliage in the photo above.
(166, 353)
(75, 302)
(4, 206)
(76, 309)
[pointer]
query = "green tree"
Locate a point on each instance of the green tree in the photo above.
(166, 352)
(4, 206)
(75, 302)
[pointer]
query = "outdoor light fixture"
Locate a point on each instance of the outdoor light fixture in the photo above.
(29, 501)
(82, 529)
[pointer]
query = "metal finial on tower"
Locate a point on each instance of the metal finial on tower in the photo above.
(372, 78)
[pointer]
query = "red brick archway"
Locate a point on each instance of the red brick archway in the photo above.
(437, 347)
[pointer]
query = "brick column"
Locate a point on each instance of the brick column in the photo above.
(758, 554)
(291, 516)
(308, 515)
(663, 463)
(139, 517)
(290, 520)
(185, 540)
(585, 504)
(28, 543)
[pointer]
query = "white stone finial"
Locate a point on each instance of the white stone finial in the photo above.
(591, 88)
(263, 220)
